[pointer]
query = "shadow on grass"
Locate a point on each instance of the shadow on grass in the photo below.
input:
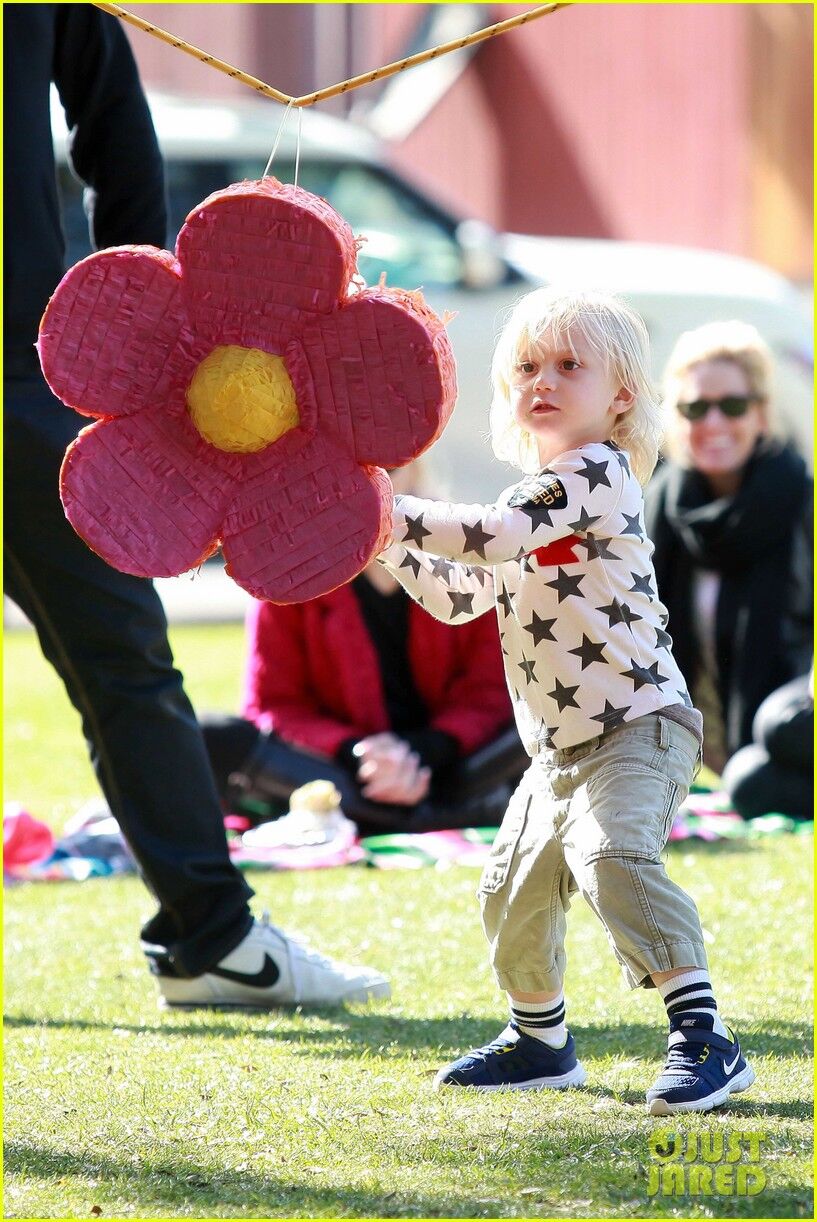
(166, 1186)
(438, 1037)
(165, 1183)
(739, 1105)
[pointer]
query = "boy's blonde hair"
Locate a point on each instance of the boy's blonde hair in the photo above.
(738, 342)
(615, 333)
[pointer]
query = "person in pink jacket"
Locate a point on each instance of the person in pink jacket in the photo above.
(410, 718)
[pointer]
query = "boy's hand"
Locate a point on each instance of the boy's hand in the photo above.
(390, 771)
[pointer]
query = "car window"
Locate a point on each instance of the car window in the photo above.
(403, 238)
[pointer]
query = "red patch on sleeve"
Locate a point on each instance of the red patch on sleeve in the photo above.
(558, 552)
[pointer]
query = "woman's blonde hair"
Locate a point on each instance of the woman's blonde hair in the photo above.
(615, 333)
(738, 342)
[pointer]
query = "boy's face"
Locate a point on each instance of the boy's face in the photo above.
(561, 393)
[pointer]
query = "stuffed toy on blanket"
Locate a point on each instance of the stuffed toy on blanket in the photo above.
(248, 393)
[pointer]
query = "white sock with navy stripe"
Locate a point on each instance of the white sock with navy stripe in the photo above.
(691, 994)
(544, 1020)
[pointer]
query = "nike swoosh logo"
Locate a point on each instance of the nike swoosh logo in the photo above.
(727, 1069)
(263, 979)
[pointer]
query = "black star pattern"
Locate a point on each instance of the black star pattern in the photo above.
(477, 573)
(589, 651)
(685, 700)
(526, 566)
(633, 526)
(642, 585)
(663, 640)
(537, 514)
(644, 676)
(441, 568)
(619, 613)
(546, 736)
(584, 521)
(564, 696)
(504, 601)
(613, 613)
(411, 562)
(595, 473)
(628, 615)
(528, 669)
(597, 549)
(610, 716)
(565, 585)
(415, 531)
(540, 629)
(476, 538)
(621, 457)
(460, 603)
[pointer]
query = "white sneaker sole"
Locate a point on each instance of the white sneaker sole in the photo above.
(741, 1082)
(176, 998)
(574, 1077)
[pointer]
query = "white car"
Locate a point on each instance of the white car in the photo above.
(462, 265)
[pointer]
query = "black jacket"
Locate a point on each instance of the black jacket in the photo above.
(113, 150)
(760, 544)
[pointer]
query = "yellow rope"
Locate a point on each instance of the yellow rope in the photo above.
(422, 57)
(366, 78)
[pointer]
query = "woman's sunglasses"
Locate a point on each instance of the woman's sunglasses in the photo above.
(731, 405)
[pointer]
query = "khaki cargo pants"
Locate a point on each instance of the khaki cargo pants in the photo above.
(593, 818)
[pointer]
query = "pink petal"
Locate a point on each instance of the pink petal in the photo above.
(146, 493)
(113, 339)
(258, 259)
(306, 520)
(382, 373)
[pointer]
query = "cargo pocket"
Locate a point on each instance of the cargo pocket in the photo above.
(497, 867)
(670, 811)
(630, 811)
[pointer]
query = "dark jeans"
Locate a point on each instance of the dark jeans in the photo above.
(106, 635)
(776, 771)
(256, 773)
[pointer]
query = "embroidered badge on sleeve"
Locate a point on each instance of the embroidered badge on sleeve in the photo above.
(544, 491)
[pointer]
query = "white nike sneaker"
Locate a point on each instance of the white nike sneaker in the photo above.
(268, 968)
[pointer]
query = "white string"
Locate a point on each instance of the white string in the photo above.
(284, 118)
(298, 144)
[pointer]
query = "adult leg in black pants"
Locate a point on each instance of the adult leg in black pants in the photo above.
(256, 773)
(106, 635)
(776, 771)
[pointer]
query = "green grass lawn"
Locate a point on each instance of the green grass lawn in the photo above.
(114, 1105)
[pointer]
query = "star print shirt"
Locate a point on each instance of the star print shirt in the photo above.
(564, 558)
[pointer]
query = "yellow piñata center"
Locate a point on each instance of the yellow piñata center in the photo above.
(241, 399)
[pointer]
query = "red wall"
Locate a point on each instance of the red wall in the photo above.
(620, 121)
(643, 121)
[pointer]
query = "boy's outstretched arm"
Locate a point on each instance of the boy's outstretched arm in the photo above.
(453, 593)
(581, 489)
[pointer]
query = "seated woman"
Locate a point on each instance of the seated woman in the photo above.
(725, 513)
(776, 771)
(410, 718)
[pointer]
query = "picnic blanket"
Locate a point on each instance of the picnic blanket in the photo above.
(92, 845)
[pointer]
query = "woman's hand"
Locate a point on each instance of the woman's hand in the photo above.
(390, 771)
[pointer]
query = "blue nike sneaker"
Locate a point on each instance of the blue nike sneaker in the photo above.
(515, 1061)
(701, 1072)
